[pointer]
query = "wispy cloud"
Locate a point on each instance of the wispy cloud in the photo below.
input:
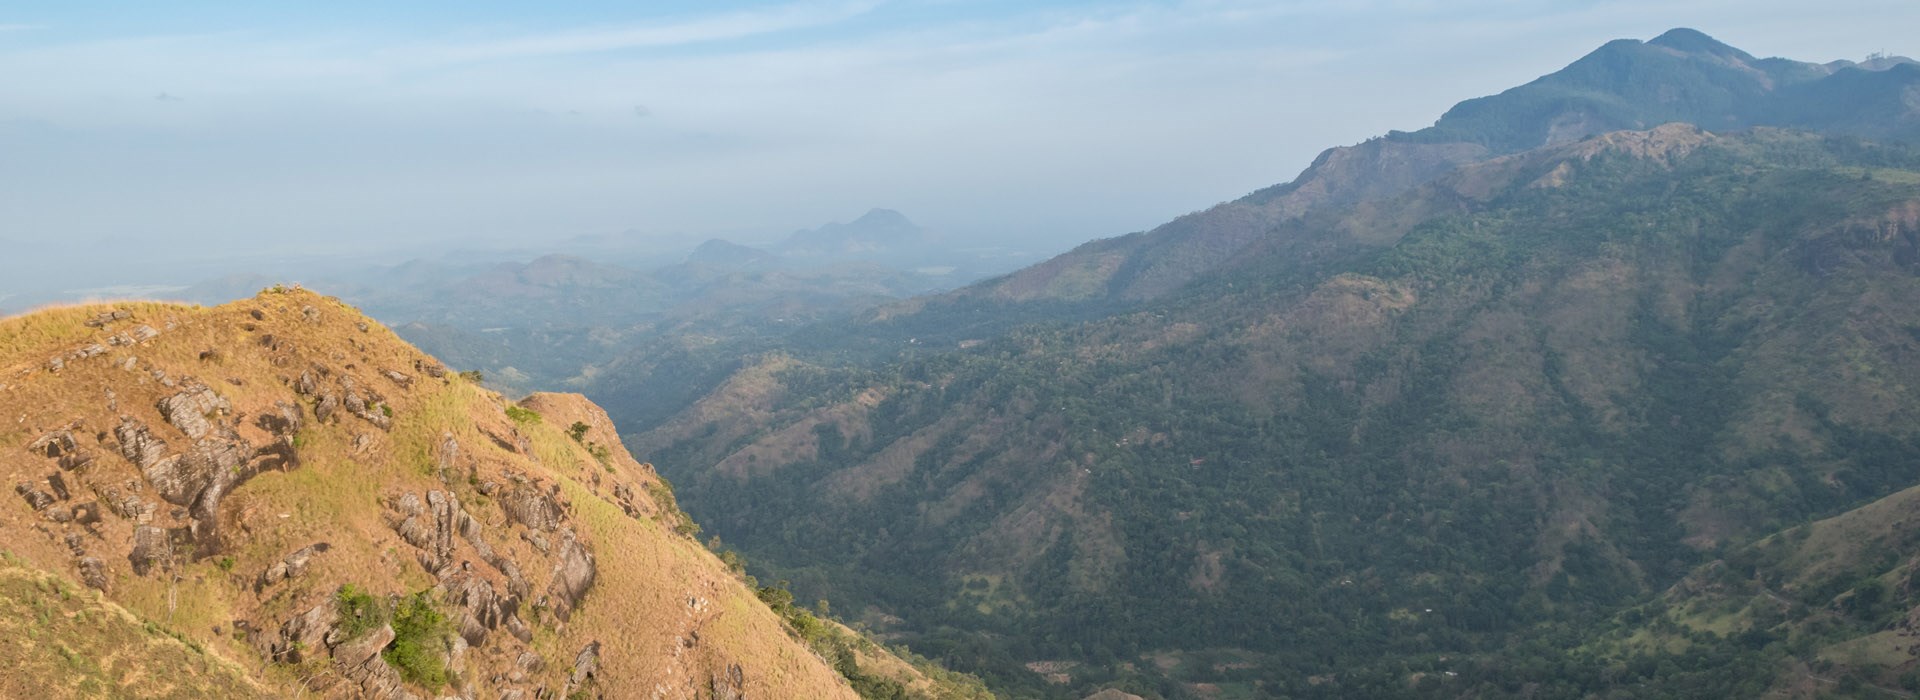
(5, 27)
(720, 27)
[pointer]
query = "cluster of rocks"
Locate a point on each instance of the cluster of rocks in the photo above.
(492, 595)
(90, 350)
(103, 318)
(289, 567)
(57, 506)
(216, 461)
(134, 336)
(316, 634)
(343, 393)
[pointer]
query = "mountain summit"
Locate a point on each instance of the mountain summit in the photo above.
(1680, 76)
(278, 495)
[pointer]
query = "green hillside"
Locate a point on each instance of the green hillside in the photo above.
(1456, 431)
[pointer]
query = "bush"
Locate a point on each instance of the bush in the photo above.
(419, 642)
(523, 416)
(578, 431)
(359, 612)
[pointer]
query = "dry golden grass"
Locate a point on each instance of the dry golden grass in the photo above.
(668, 613)
(62, 641)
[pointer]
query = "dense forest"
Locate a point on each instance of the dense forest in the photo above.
(1470, 454)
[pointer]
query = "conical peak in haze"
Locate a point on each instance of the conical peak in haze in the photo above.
(1695, 41)
(873, 231)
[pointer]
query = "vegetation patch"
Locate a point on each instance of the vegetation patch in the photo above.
(420, 633)
(523, 416)
(359, 611)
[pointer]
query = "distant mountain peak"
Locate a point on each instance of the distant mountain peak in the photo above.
(1695, 41)
(878, 231)
(879, 216)
(717, 251)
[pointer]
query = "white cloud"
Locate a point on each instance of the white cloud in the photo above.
(1056, 123)
(726, 26)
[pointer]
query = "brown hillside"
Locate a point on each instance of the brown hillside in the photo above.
(223, 473)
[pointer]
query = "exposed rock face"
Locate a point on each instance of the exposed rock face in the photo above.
(138, 444)
(586, 665)
(528, 504)
(323, 408)
(93, 572)
(188, 410)
(572, 576)
(105, 317)
(286, 418)
(54, 444)
(315, 634)
(150, 546)
(36, 498)
(729, 685)
(482, 608)
(359, 662)
(289, 567)
(304, 636)
(448, 456)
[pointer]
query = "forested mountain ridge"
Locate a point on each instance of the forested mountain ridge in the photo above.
(1452, 431)
(1680, 76)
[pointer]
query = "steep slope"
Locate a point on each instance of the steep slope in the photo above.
(1823, 609)
(297, 495)
(1388, 438)
(1680, 76)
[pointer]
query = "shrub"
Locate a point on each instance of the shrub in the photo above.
(419, 642)
(523, 416)
(359, 612)
(578, 431)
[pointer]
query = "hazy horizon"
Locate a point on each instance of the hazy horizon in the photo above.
(203, 136)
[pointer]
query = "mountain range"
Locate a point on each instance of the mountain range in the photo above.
(1535, 402)
(1605, 386)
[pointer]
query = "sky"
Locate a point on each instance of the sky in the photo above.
(138, 137)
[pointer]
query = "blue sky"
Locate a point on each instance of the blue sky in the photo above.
(206, 129)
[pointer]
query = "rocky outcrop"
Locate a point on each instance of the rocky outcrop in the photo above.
(586, 667)
(359, 662)
(730, 684)
(93, 572)
(150, 547)
(367, 406)
(573, 575)
(138, 444)
(189, 409)
(482, 608)
(37, 499)
(285, 419)
(526, 503)
(103, 318)
(316, 634)
(431, 527)
(290, 566)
